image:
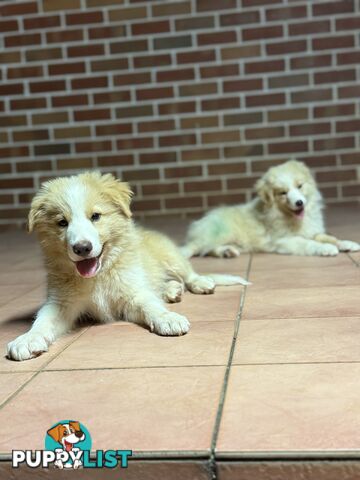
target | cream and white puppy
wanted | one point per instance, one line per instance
(285, 217)
(100, 263)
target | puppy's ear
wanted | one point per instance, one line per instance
(264, 190)
(37, 210)
(303, 169)
(55, 432)
(75, 425)
(118, 192)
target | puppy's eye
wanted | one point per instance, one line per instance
(300, 186)
(63, 223)
(95, 217)
(282, 193)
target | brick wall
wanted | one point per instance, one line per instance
(190, 101)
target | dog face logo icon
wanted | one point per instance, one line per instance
(68, 439)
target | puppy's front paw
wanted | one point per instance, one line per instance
(201, 285)
(226, 251)
(170, 323)
(26, 346)
(347, 246)
(327, 250)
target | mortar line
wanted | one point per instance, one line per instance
(226, 378)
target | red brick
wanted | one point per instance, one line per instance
(169, 43)
(283, 81)
(172, 8)
(334, 110)
(69, 100)
(226, 168)
(352, 158)
(312, 95)
(220, 103)
(72, 132)
(52, 149)
(28, 135)
(228, 199)
(194, 23)
(349, 92)
(61, 5)
(156, 126)
(9, 26)
(319, 160)
(285, 13)
(141, 205)
(95, 146)
(146, 28)
(49, 118)
(311, 61)
(334, 76)
(112, 96)
(177, 107)
(133, 175)
(11, 89)
(107, 32)
(336, 175)
(202, 186)
(38, 22)
(241, 183)
(66, 68)
(219, 71)
(84, 18)
(19, 151)
(331, 43)
(137, 111)
(220, 137)
(205, 5)
(113, 129)
(308, 27)
(63, 36)
(348, 125)
(22, 40)
(33, 166)
(330, 8)
(197, 56)
(12, 120)
(199, 122)
(11, 183)
(154, 93)
(345, 58)
(264, 66)
(183, 203)
(89, 82)
(267, 99)
(241, 18)
(21, 8)
(334, 144)
(85, 50)
(115, 160)
(243, 118)
(130, 143)
(198, 89)
(92, 114)
(264, 132)
(288, 147)
(129, 46)
(216, 37)
(25, 72)
(350, 190)
(47, 86)
(175, 75)
(244, 151)
(348, 23)
(152, 61)
(28, 103)
(178, 172)
(10, 57)
(202, 154)
(174, 140)
(163, 157)
(310, 129)
(109, 65)
(132, 78)
(281, 48)
(160, 189)
(243, 85)
(262, 32)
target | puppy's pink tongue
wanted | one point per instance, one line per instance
(87, 268)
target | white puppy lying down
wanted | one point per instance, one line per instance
(285, 217)
(99, 263)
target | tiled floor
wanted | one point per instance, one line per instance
(270, 372)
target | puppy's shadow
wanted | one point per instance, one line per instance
(24, 319)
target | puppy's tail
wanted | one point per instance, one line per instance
(227, 280)
(189, 250)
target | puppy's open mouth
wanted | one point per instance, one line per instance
(299, 213)
(90, 266)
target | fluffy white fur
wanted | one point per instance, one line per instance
(285, 217)
(100, 263)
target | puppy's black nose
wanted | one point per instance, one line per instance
(82, 248)
(79, 434)
(299, 203)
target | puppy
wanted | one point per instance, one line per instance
(67, 435)
(99, 263)
(285, 217)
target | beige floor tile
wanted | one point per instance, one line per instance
(32, 277)
(273, 261)
(305, 277)
(302, 302)
(221, 306)
(298, 340)
(289, 470)
(129, 346)
(291, 407)
(356, 257)
(11, 292)
(28, 303)
(10, 382)
(234, 266)
(143, 409)
(137, 470)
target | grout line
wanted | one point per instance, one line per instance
(352, 259)
(226, 377)
(14, 394)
